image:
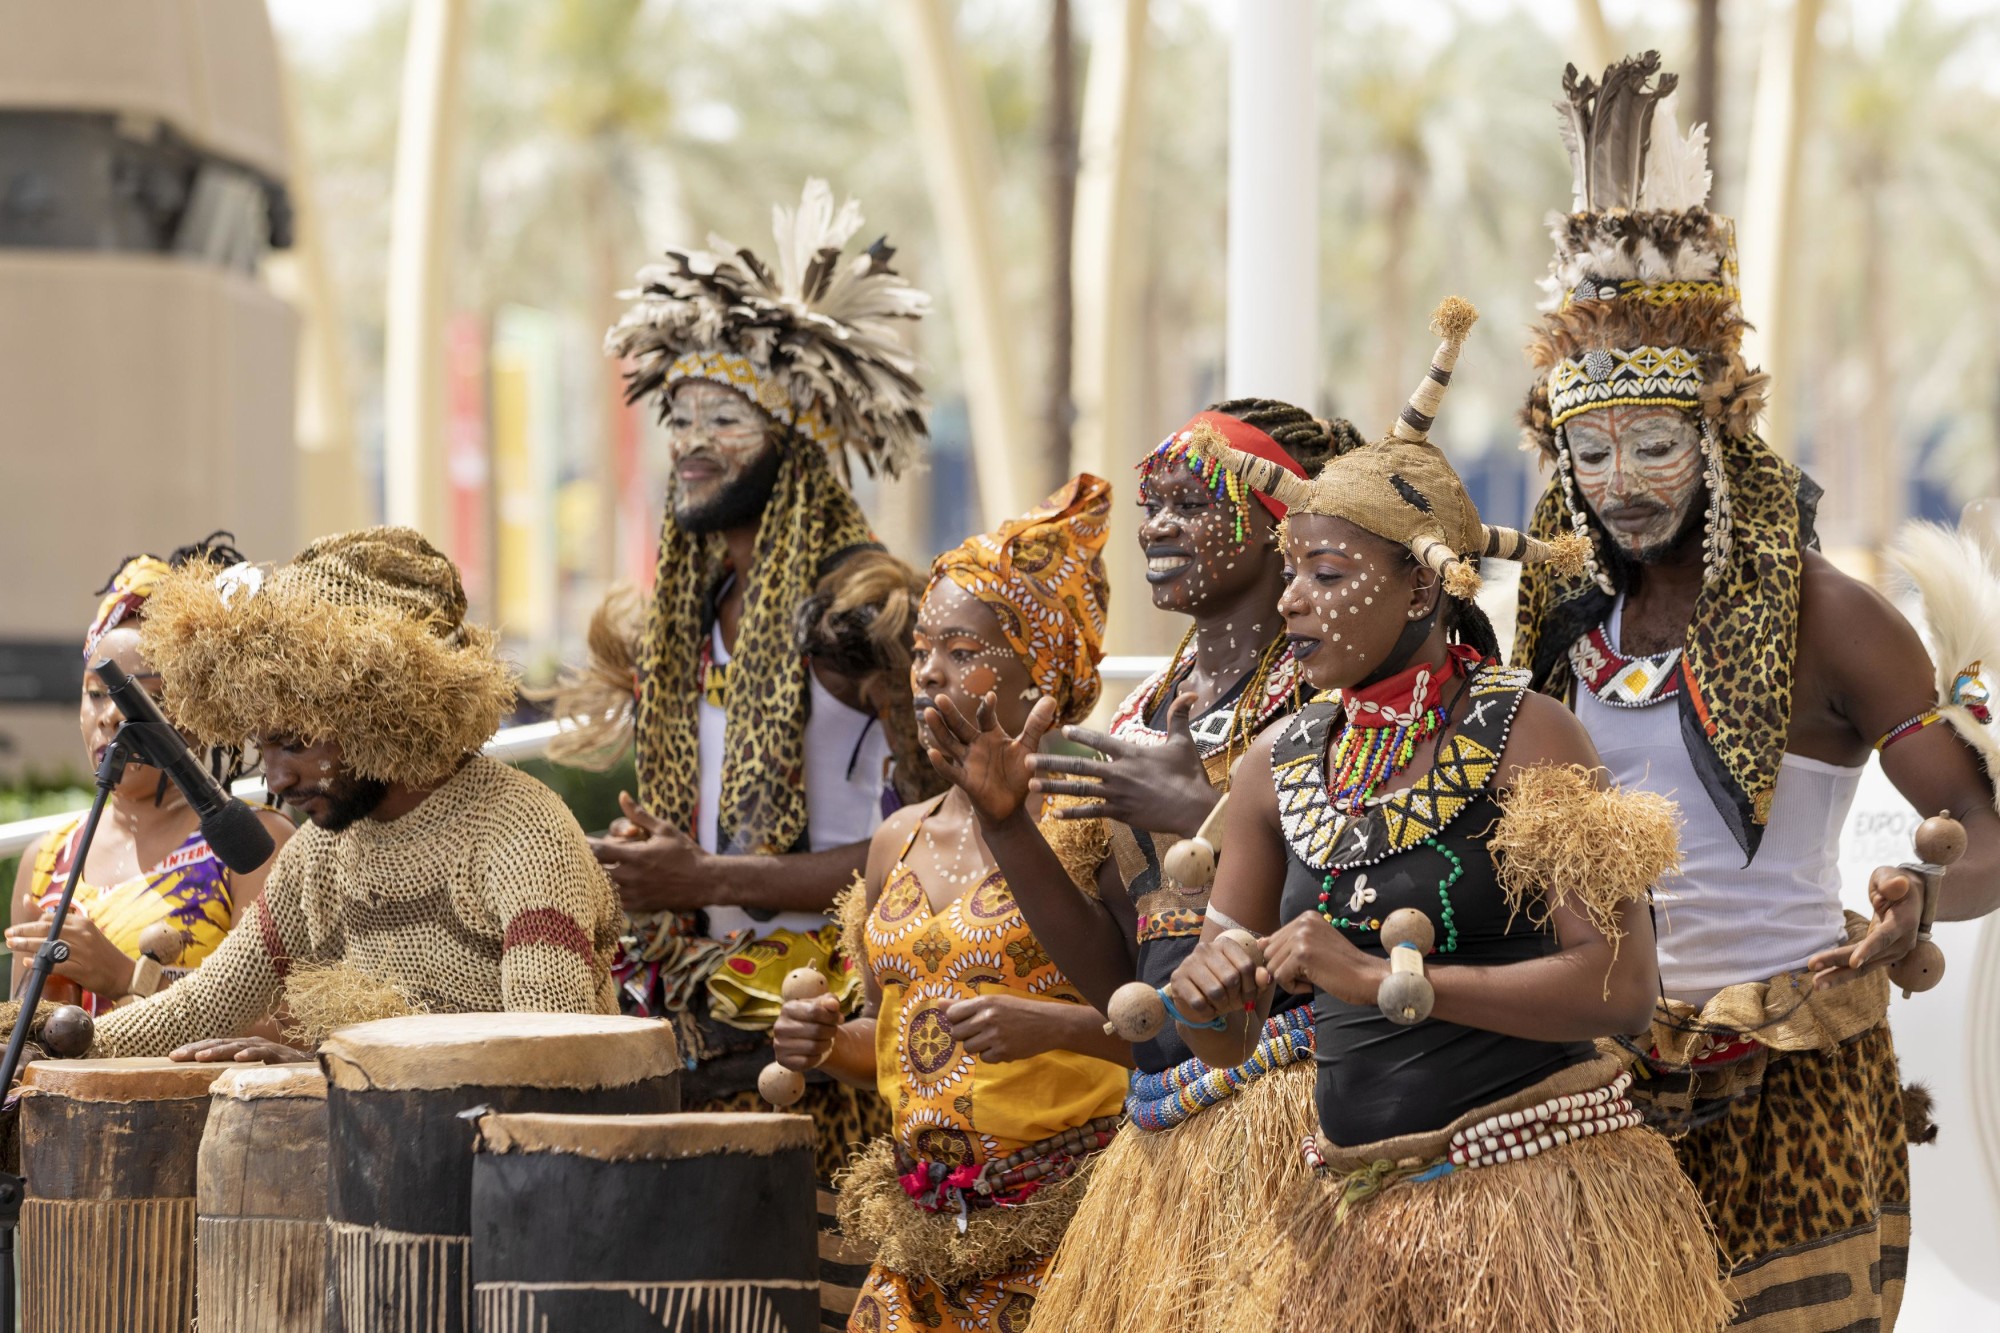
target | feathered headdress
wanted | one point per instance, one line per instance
(1401, 488)
(1642, 307)
(814, 343)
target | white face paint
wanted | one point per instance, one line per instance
(1193, 555)
(1345, 601)
(713, 435)
(1639, 469)
(959, 653)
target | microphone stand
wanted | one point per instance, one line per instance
(52, 952)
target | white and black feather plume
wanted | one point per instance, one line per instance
(825, 330)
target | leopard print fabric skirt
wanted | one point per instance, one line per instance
(1806, 1175)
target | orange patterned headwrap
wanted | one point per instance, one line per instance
(1043, 576)
(130, 588)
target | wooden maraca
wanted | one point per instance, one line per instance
(68, 1032)
(1940, 841)
(1406, 995)
(1190, 862)
(160, 947)
(778, 1085)
(1138, 1012)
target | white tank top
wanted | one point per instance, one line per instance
(1722, 922)
(847, 768)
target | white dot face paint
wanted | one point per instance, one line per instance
(1189, 535)
(1338, 632)
(959, 653)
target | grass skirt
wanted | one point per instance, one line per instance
(1170, 1217)
(1600, 1235)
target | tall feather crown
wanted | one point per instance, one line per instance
(815, 342)
(1641, 302)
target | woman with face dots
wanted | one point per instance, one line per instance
(148, 863)
(1212, 555)
(1001, 1077)
(1434, 858)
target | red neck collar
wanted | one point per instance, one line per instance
(1409, 694)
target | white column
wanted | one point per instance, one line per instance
(1593, 39)
(1110, 261)
(954, 133)
(328, 483)
(421, 219)
(1273, 267)
(1770, 198)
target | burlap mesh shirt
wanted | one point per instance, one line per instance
(485, 897)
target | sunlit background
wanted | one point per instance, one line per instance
(297, 268)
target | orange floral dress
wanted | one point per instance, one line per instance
(956, 1108)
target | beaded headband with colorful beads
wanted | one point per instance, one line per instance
(1184, 448)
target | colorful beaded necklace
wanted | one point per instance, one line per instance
(1385, 723)
(1380, 740)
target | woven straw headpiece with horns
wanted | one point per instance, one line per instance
(1402, 489)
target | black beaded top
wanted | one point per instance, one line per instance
(1423, 847)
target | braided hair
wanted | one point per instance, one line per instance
(217, 548)
(1314, 442)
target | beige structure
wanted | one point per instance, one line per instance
(148, 395)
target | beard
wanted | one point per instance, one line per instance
(739, 501)
(348, 801)
(1623, 558)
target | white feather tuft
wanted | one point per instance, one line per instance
(1954, 575)
(1677, 173)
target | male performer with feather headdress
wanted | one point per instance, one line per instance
(764, 765)
(1714, 655)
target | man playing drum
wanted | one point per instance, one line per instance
(429, 878)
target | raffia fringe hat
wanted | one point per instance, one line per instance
(362, 639)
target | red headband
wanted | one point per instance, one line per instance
(1250, 440)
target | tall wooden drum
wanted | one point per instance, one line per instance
(260, 1200)
(399, 1184)
(634, 1224)
(107, 1230)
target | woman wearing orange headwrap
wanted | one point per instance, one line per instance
(148, 862)
(1001, 1076)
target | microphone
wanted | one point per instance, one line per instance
(239, 840)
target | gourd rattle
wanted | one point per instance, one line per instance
(1940, 841)
(778, 1085)
(1138, 1011)
(1406, 995)
(1190, 862)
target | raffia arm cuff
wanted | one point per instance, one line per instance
(1082, 845)
(1564, 842)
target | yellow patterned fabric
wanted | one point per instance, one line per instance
(1625, 377)
(955, 1108)
(892, 1303)
(189, 888)
(1043, 576)
(737, 372)
(746, 988)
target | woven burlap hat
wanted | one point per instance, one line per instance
(361, 639)
(1402, 488)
